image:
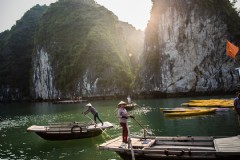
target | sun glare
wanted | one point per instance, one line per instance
(135, 12)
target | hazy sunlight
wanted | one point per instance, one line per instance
(135, 12)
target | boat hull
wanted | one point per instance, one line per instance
(128, 156)
(130, 106)
(69, 136)
(192, 112)
(182, 147)
(69, 130)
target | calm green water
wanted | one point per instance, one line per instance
(17, 143)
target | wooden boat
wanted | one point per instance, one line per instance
(192, 112)
(184, 147)
(69, 101)
(130, 106)
(69, 130)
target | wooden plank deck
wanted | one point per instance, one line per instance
(185, 138)
(179, 147)
(114, 144)
(230, 144)
(69, 127)
(193, 143)
(37, 128)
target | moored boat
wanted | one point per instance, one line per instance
(69, 130)
(69, 101)
(192, 112)
(179, 147)
(220, 103)
(170, 110)
(184, 109)
(130, 106)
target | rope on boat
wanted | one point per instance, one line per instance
(72, 129)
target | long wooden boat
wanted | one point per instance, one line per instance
(192, 112)
(69, 130)
(180, 147)
(69, 101)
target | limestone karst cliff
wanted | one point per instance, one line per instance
(184, 50)
(16, 46)
(81, 49)
(69, 49)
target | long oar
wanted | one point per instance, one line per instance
(104, 131)
(130, 142)
(142, 127)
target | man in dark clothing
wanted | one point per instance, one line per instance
(237, 106)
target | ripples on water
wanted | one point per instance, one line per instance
(13, 129)
(17, 143)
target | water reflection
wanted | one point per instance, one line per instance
(17, 143)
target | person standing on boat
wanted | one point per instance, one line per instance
(129, 99)
(123, 116)
(94, 112)
(237, 106)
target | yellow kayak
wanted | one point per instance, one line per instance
(170, 110)
(224, 103)
(192, 112)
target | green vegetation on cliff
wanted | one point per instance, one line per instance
(84, 38)
(86, 44)
(16, 48)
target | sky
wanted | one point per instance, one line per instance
(135, 12)
(13, 10)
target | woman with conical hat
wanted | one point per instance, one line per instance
(94, 112)
(123, 116)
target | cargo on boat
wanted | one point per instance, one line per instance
(179, 147)
(69, 130)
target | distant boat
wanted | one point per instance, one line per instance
(69, 130)
(177, 147)
(69, 101)
(131, 106)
